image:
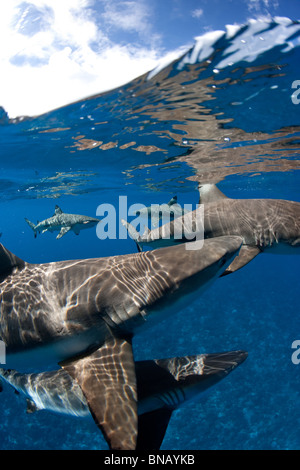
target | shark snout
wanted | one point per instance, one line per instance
(92, 222)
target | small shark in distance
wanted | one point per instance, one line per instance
(171, 210)
(83, 315)
(163, 385)
(63, 223)
(266, 225)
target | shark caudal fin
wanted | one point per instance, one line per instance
(31, 225)
(165, 384)
(133, 233)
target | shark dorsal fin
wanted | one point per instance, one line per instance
(9, 261)
(210, 193)
(172, 201)
(58, 210)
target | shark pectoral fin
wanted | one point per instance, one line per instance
(107, 379)
(247, 253)
(63, 231)
(152, 428)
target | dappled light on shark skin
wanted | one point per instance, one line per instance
(83, 314)
(162, 385)
(266, 225)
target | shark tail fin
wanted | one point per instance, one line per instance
(31, 225)
(133, 233)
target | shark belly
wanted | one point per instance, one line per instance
(178, 302)
(61, 349)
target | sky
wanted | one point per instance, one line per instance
(54, 52)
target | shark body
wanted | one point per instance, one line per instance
(83, 314)
(157, 212)
(63, 223)
(163, 385)
(266, 225)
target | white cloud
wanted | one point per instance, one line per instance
(132, 16)
(262, 6)
(197, 13)
(127, 15)
(55, 53)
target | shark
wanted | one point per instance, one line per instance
(157, 212)
(83, 315)
(163, 385)
(265, 225)
(63, 223)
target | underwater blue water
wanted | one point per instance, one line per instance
(197, 120)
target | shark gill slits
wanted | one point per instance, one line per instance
(173, 398)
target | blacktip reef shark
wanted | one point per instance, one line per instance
(63, 223)
(83, 315)
(163, 385)
(266, 225)
(157, 212)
